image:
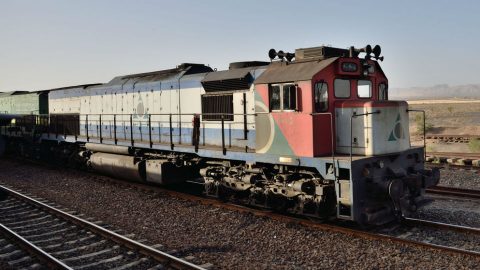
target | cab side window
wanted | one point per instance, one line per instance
(275, 98)
(364, 89)
(289, 97)
(342, 88)
(383, 91)
(320, 96)
(283, 97)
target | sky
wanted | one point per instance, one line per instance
(55, 43)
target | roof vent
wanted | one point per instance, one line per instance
(194, 68)
(237, 65)
(319, 53)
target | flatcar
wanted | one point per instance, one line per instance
(309, 133)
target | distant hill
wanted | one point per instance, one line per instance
(441, 91)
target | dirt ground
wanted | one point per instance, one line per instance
(446, 117)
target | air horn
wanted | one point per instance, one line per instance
(272, 53)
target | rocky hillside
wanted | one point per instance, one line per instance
(442, 91)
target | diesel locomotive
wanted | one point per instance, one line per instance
(309, 133)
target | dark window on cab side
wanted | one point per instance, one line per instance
(383, 91)
(214, 106)
(283, 97)
(289, 97)
(320, 96)
(342, 88)
(275, 98)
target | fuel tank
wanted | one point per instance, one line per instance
(125, 167)
(165, 173)
(105, 148)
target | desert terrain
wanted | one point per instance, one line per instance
(459, 118)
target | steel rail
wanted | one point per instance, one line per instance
(456, 192)
(289, 219)
(452, 166)
(49, 260)
(441, 225)
(455, 154)
(162, 257)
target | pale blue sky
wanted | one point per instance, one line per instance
(54, 43)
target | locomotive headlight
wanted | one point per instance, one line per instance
(349, 67)
(13, 121)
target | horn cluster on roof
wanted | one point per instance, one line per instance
(281, 55)
(377, 50)
(324, 52)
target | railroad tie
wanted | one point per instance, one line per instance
(90, 255)
(99, 263)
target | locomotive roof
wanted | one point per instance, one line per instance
(228, 74)
(11, 93)
(289, 72)
(186, 68)
(84, 86)
(232, 79)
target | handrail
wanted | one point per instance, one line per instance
(100, 125)
(153, 114)
(171, 133)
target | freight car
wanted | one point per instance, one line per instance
(311, 133)
(23, 102)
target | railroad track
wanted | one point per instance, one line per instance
(21, 254)
(441, 225)
(451, 237)
(313, 224)
(455, 155)
(455, 192)
(54, 239)
(454, 160)
(451, 138)
(334, 228)
(445, 165)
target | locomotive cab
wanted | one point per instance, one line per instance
(309, 99)
(333, 106)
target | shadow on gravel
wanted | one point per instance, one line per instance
(3, 195)
(207, 249)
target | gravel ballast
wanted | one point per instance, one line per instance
(465, 212)
(227, 239)
(460, 178)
